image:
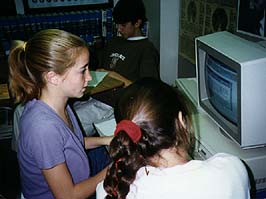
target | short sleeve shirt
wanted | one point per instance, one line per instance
(46, 141)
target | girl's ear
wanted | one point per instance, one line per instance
(51, 77)
(181, 119)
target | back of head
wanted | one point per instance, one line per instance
(48, 50)
(154, 107)
(129, 11)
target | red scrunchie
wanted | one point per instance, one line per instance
(131, 128)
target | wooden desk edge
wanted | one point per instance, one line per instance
(107, 84)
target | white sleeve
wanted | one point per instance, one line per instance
(100, 192)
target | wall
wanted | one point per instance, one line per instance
(163, 16)
(153, 15)
(169, 29)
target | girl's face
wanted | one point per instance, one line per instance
(76, 78)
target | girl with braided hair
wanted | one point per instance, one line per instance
(152, 147)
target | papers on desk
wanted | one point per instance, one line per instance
(97, 77)
(106, 128)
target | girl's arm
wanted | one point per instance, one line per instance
(61, 184)
(93, 142)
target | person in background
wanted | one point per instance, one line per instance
(130, 56)
(45, 72)
(152, 147)
(260, 7)
(252, 16)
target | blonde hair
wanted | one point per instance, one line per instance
(48, 50)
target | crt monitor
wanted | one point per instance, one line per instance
(231, 75)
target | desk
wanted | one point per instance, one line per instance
(107, 84)
(106, 91)
(5, 99)
(6, 113)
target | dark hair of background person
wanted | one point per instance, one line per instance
(154, 106)
(129, 11)
(48, 50)
(250, 14)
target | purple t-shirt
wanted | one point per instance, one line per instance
(46, 141)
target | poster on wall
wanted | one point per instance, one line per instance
(220, 16)
(191, 26)
(200, 17)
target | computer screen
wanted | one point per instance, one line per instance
(221, 85)
(231, 86)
